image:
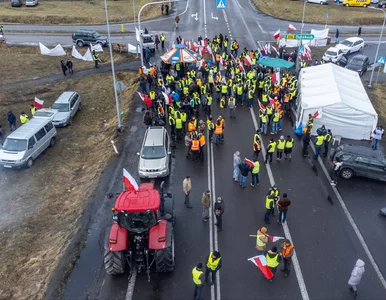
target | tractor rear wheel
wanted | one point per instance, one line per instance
(115, 262)
(164, 259)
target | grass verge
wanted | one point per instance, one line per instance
(316, 13)
(76, 12)
(49, 198)
(377, 97)
(26, 63)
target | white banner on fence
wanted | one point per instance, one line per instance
(57, 51)
(96, 48)
(132, 48)
(86, 57)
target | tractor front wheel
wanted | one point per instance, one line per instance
(164, 259)
(115, 262)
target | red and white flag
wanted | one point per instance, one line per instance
(307, 52)
(261, 262)
(38, 103)
(129, 181)
(241, 68)
(249, 162)
(204, 43)
(317, 114)
(142, 96)
(275, 238)
(276, 35)
(275, 49)
(234, 59)
(276, 77)
(291, 27)
(261, 106)
(221, 61)
(248, 61)
(168, 98)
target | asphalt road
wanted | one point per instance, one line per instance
(326, 245)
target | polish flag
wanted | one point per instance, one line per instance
(291, 27)
(129, 181)
(261, 106)
(249, 162)
(234, 59)
(241, 68)
(275, 49)
(276, 35)
(221, 61)
(275, 238)
(276, 77)
(38, 103)
(204, 43)
(261, 262)
(214, 81)
(142, 96)
(317, 114)
(269, 48)
(168, 98)
(209, 49)
(248, 61)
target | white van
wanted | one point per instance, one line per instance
(27, 142)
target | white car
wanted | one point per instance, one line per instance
(333, 54)
(31, 2)
(351, 45)
(321, 2)
(46, 113)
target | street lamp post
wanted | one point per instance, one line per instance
(134, 12)
(139, 21)
(113, 68)
(379, 44)
(301, 37)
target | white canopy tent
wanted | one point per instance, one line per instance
(338, 95)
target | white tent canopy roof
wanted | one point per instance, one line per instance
(329, 84)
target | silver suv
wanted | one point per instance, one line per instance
(155, 153)
(67, 106)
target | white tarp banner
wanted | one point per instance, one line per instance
(132, 49)
(319, 43)
(293, 43)
(86, 57)
(57, 51)
(96, 48)
(320, 34)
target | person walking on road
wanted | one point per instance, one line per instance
(327, 142)
(338, 162)
(255, 173)
(318, 144)
(273, 260)
(287, 251)
(283, 204)
(377, 136)
(280, 148)
(360, 31)
(256, 149)
(187, 187)
(214, 263)
(306, 142)
(270, 150)
(274, 191)
(205, 201)
(337, 36)
(162, 38)
(269, 206)
(261, 240)
(356, 276)
(198, 280)
(219, 209)
(177, 20)
(289, 144)
(236, 164)
(244, 170)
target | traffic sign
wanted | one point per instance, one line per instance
(327, 15)
(120, 86)
(301, 50)
(381, 60)
(300, 36)
(221, 4)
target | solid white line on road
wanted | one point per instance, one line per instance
(238, 3)
(298, 271)
(215, 231)
(186, 8)
(352, 223)
(261, 27)
(130, 287)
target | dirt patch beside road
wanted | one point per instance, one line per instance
(40, 206)
(377, 96)
(77, 12)
(316, 13)
(26, 63)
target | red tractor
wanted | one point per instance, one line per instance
(142, 233)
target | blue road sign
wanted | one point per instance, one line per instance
(301, 50)
(381, 60)
(326, 15)
(221, 4)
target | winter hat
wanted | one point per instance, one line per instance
(282, 137)
(263, 229)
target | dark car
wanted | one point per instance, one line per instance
(361, 161)
(358, 63)
(16, 3)
(382, 4)
(84, 37)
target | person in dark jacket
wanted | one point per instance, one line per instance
(69, 65)
(219, 209)
(283, 204)
(147, 119)
(11, 121)
(306, 142)
(273, 260)
(337, 36)
(244, 170)
(64, 67)
(213, 264)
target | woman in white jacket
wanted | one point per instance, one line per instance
(356, 275)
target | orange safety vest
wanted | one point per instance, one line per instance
(218, 129)
(195, 145)
(286, 98)
(140, 71)
(223, 123)
(258, 146)
(191, 126)
(202, 140)
(287, 251)
(217, 57)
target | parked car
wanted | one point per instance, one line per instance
(363, 3)
(332, 54)
(83, 37)
(31, 2)
(155, 153)
(382, 4)
(351, 45)
(382, 211)
(321, 2)
(46, 113)
(67, 105)
(16, 3)
(27, 142)
(361, 161)
(374, 1)
(359, 63)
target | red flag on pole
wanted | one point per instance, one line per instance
(275, 238)
(129, 181)
(262, 107)
(38, 103)
(249, 162)
(261, 262)
(142, 96)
